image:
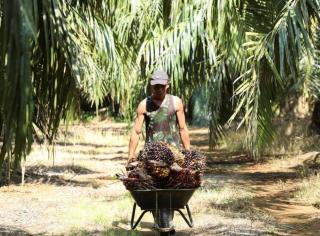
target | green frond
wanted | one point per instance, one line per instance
(248, 55)
(273, 60)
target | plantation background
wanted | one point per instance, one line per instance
(73, 72)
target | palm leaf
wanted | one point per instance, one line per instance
(273, 60)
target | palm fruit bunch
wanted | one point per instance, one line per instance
(157, 158)
(185, 178)
(178, 156)
(161, 165)
(158, 169)
(157, 151)
(136, 177)
(136, 184)
(194, 160)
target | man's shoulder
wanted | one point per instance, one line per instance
(176, 102)
(175, 98)
(142, 107)
(143, 101)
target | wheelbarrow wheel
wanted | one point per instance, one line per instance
(164, 233)
(172, 232)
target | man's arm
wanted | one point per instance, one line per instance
(134, 139)
(184, 134)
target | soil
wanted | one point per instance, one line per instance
(36, 208)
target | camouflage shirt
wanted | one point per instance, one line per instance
(161, 122)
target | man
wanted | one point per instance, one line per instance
(164, 116)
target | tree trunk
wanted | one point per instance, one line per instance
(315, 120)
(166, 9)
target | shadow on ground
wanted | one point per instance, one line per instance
(54, 175)
(66, 169)
(94, 145)
(218, 229)
(222, 229)
(60, 181)
(310, 228)
(310, 166)
(116, 158)
(12, 231)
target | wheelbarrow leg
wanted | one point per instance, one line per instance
(134, 225)
(188, 221)
(189, 214)
(132, 214)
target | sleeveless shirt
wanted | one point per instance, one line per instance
(161, 121)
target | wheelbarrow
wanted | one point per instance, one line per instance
(162, 203)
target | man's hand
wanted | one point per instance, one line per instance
(131, 158)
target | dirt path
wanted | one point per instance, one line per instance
(79, 196)
(274, 187)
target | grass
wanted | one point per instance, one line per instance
(229, 200)
(292, 145)
(105, 232)
(77, 145)
(227, 197)
(282, 163)
(103, 136)
(233, 140)
(94, 212)
(292, 138)
(100, 216)
(234, 204)
(309, 191)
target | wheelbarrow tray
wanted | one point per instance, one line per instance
(162, 198)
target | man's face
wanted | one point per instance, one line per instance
(159, 89)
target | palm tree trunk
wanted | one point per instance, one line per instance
(166, 13)
(316, 117)
(23, 170)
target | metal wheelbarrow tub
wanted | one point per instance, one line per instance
(157, 199)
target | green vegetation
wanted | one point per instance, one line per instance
(309, 191)
(229, 198)
(87, 212)
(250, 59)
